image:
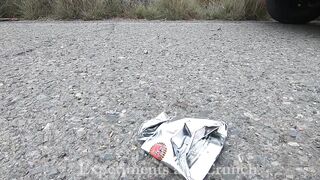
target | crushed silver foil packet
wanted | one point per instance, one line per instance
(190, 146)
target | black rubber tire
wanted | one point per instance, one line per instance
(289, 12)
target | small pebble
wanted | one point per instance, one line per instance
(293, 132)
(289, 176)
(309, 169)
(78, 96)
(286, 103)
(81, 132)
(53, 172)
(294, 144)
(111, 134)
(47, 127)
(123, 112)
(105, 157)
(41, 97)
(275, 163)
(299, 169)
(133, 147)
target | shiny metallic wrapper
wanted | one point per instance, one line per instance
(190, 146)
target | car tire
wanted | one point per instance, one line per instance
(292, 11)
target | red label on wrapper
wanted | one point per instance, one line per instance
(158, 151)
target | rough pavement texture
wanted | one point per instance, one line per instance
(73, 95)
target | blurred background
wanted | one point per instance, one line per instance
(137, 9)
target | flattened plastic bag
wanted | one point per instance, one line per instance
(189, 145)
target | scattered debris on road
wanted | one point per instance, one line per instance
(190, 146)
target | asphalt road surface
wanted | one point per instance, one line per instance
(74, 94)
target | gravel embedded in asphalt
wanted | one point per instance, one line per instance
(74, 94)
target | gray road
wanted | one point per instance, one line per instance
(73, 95)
